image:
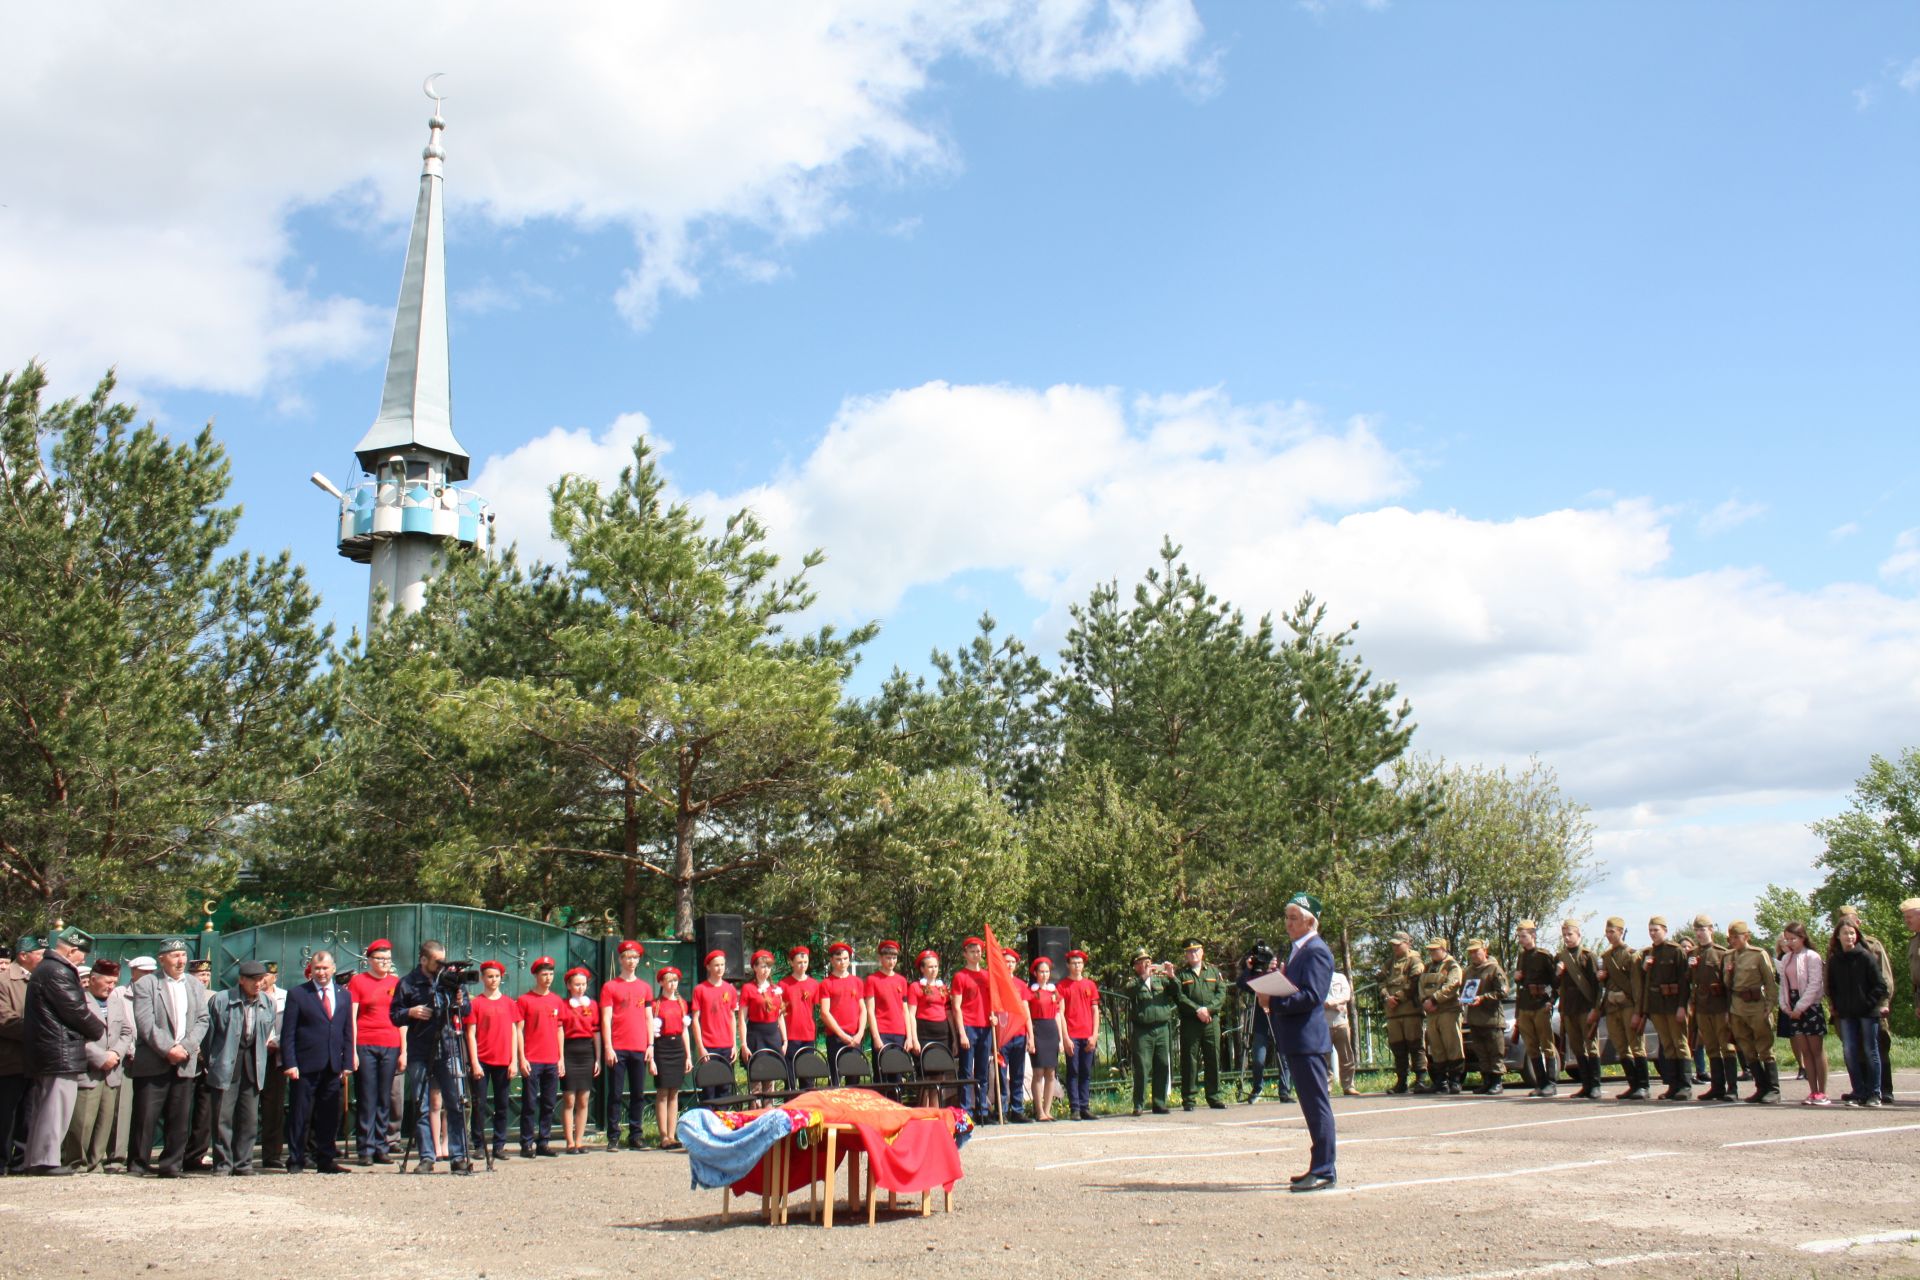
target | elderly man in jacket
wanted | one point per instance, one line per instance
(98, 1106)
(59, 1024)
(239, 1027)
(16, 1085)
(170, 1023)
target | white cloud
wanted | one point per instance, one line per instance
(1910, 76)
(1841, 532)
(516, 483)
(1903, 565)
(674, 122)
(1730, 514)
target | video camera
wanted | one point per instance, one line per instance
(455, 974)
(1260, 959)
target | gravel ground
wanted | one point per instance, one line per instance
(1462, 1188)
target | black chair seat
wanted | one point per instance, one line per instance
(850, 1064)
(809, 1067)
(937, 1057)
(894, 1061)
(767, 1067)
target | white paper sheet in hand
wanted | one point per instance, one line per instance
(1271, 984)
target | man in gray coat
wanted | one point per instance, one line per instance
(169, 1022)
(107, 1058)
(239, 1027)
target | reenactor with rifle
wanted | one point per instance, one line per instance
(1406, 1023)
(1535, 977)
(1578, 976)
(1620, 977)
(1440, 999)
(1664, 992)
(1486, 1022)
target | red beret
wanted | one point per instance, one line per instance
(1037, 962)
(840, 948)
(1077, 955)
(711, 956)
(379, 944)
(662, 975)
(799, 951)
(1010, 954)
(580, 969)
(926, 955)
(889, 947)
(975, 942)
(760, 955)
(492, 966)
(544, 962)
(632, 947)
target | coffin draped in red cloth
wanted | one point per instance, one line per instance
(912, 1148)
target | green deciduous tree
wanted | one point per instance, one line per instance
(154, 690)
(1872, 860)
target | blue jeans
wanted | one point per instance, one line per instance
(976, 1062)
(630, 1067)
(1860, 1042)
(1259, 1053)
(373, 1094)
(452, 1084)
(492, 1101)
(1015, 1074)
(537, 1093)
(1079, 1075)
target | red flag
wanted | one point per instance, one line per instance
(1004, 994)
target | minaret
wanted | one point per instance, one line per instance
(401, 514)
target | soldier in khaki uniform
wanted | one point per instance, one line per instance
(1577, 975)
(1440, 1000)
(1620, 977)
(1664, 992)
(1486, 1022)
(1406, 1025)
(1534, 980)
(1754, 985)
(1713, 1013)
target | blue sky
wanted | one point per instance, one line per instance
(1567, 348)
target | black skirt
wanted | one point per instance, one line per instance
(579, 1057)
(932, 1032)
(669, 1062)
(1046, 1045)
(766, 1035)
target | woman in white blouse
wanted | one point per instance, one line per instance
(1802, 1016)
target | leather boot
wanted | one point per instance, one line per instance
(1664, 1065)
(1637, 1078)
(1729, 1079)
(1548, 1087)
(1771, 1071)
(1427, 1080)
(1399, 1071)
(1494, 1082)
(1717, 1092)
(1682, 1079)
(1590, 1073)
(1455, 1072)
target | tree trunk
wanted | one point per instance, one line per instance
(630, 882)
(683, 876)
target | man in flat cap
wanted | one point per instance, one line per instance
(1535, 980)
(1440, 984)
(90, 1137)
(1754, 985)
(1300, 1025)
(170, 1024)
(16, 1084)
(59, 1025)
(1202, 995)
(1151, 1000)
(1665, 989)
(239, 1025)
(1406, 1022)
(1620, 979)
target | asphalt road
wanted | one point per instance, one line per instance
(1457, 1187)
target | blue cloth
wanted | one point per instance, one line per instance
(1310, 1085)
(719, 1156)
(1300, 1020)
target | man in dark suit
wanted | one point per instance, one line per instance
(1300, 1027)
(316, 1046)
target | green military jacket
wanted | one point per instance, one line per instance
(1620, 974)
(1485, 1009)
(1579, 978)
(1151, 999)
(1440, 983)
(1708, 982)
(1400, 982)
(1203, 990)
(1664, 985)
(1534, 979)
(1752, 980)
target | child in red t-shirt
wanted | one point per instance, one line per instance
(580, 1064)
(493, 1054)
(670, 1014)
(716, 1007)
(1081, 995)
(1046, 1014)
(763, 1012)
(540, 1040)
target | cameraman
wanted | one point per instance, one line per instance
(1262, 1045)
(428, 1005)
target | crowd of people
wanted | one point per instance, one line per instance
(165, 1075)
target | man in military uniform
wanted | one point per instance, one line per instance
(1406, 1026)
(1664, 992)
(1440, 999)
(1713, 1013)
(1151, 999)
(1754, 987)
(1620, 982)
(1535, 978)
(1878, 950)
(1202, 994)
(1577, 982)
(1486, 1023)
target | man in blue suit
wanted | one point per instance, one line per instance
(316, 1045)
(1300, 1028)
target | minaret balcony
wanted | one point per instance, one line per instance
(373, 510)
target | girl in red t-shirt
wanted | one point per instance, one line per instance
(669, 1054)
(580, 1029)
(715, 1008)
(763, 1012)
(930, 999)
(1047, 1015)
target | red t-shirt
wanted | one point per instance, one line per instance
(762, 1006)
(632, 1029)
(672, 1012)
(842, 998)
(802, 995)
(580, 1021)
(889, 995)
(541, 1014)
(373, 1009)
(493, 1024)
(714, 1006)
(1082, 998)
(1042, 1003)
(976, 995)
(929, 999)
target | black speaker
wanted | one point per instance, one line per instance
(723, 934)
(1045, 940)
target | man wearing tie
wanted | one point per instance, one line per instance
(316, 1044)
(1300, 1027)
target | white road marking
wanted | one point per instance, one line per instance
(1497, 1175)
(1841, 1246)
(1202, 1155)
(1353, 1113)
(1821, 1137)
(1045, 1132)
(1534, 1124)
(1574, 1264)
